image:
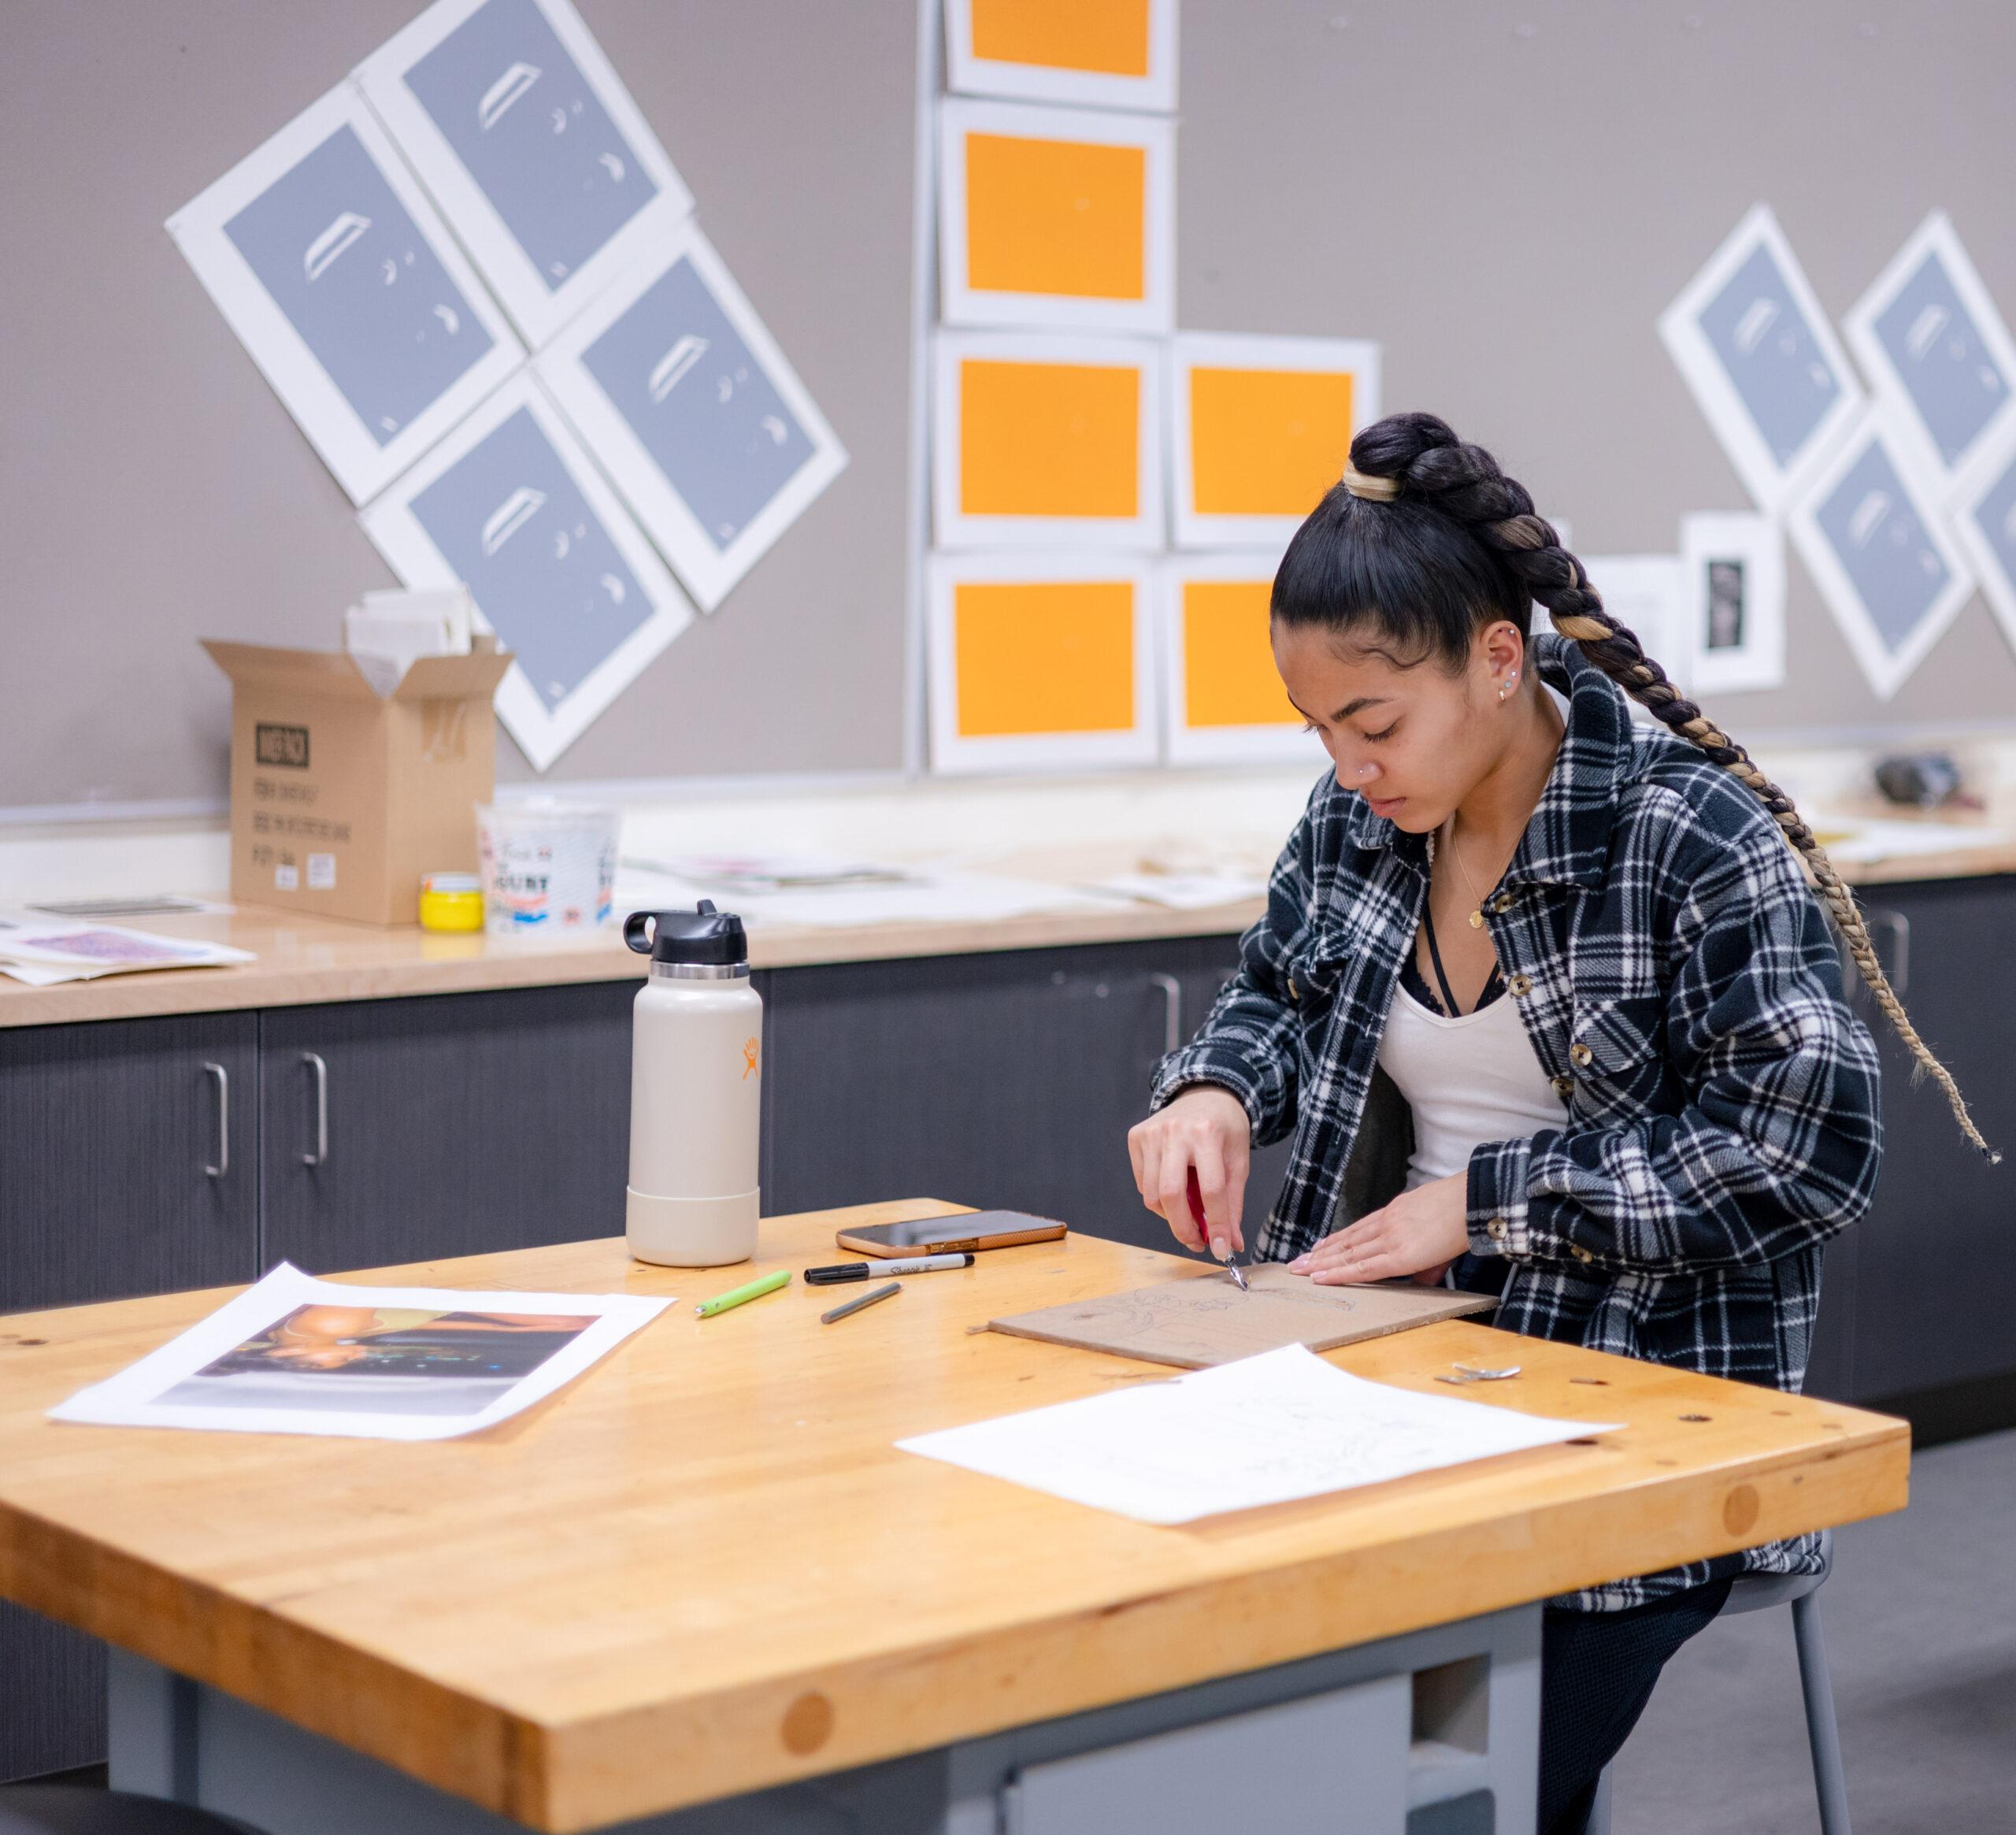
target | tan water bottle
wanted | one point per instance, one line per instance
(696, 1091)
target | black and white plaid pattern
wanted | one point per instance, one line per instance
(1679, 983)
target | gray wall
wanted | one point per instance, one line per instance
(1508, 196)
(1505, 196)
(155, 491)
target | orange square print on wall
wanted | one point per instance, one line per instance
(1266, 441)
(1040, 660)
(1264, 426)
(1044, 656)
(1049, 439)
(1226, 701)
(1228, 674)
(1108, 36)
(1061, 217)
(1055, 217)
(1040, 441)
(1097, 53)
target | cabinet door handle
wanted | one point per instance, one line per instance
(1172, 1010)
(313, 1060)
(217, 1168)
(1900, 927)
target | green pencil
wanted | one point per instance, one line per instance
(749, 1290)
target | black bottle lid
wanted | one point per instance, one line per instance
(705, 936)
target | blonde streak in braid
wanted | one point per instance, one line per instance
(1840, 901)
(1590, 625)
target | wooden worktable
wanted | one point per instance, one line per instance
(704, 1568)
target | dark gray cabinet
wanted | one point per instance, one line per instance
(1004, 1081)
(129, 1165)
(129, 1158)
(1934, 1276)
(410, 1129)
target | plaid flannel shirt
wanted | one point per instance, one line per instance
(1680, 984)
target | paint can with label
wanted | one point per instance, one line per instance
(696, 1091)
(548, 866)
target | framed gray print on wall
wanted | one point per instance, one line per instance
(541, 162)
(1880, 554)
(327, 260)
(681, 392)
(1933, 343)
(510, 504)
(1984, 510)
(1764, 365)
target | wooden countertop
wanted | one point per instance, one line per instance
(305, 960)
(704, 1568)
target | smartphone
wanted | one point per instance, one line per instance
(976, 1229)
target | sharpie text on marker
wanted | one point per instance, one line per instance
(841, 1271)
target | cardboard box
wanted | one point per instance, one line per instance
(341, 797)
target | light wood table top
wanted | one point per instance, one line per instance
(704, 1568)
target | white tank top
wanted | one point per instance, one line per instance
(1468, 1079)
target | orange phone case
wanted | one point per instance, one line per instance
(1025, 1229)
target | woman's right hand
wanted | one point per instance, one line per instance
(1204, 1131)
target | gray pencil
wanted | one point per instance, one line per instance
(860, 1301)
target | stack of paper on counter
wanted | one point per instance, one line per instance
(1266, 1429)
(1183, 891)
(800, 890)
(1866, 841)
(42, 953)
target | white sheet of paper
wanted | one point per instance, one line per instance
(763, 873)
(1266, 1430)
(1183, 891)
(1876, 840)
(45, 977)
(1646, 594)
(930, 897)
(177, 1387)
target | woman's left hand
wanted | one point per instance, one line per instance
(1420, 1233)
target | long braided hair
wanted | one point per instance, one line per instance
(1355, 558)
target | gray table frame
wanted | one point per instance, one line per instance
(1436, 1733)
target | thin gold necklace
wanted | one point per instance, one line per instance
(1455, 853)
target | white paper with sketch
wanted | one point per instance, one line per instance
(43, 952)
(294, 1355)
(927, 894)
(1266, 1430)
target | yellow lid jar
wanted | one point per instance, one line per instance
(450, 901)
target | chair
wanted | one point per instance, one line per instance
(74, 1809)
(1760, 1592)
